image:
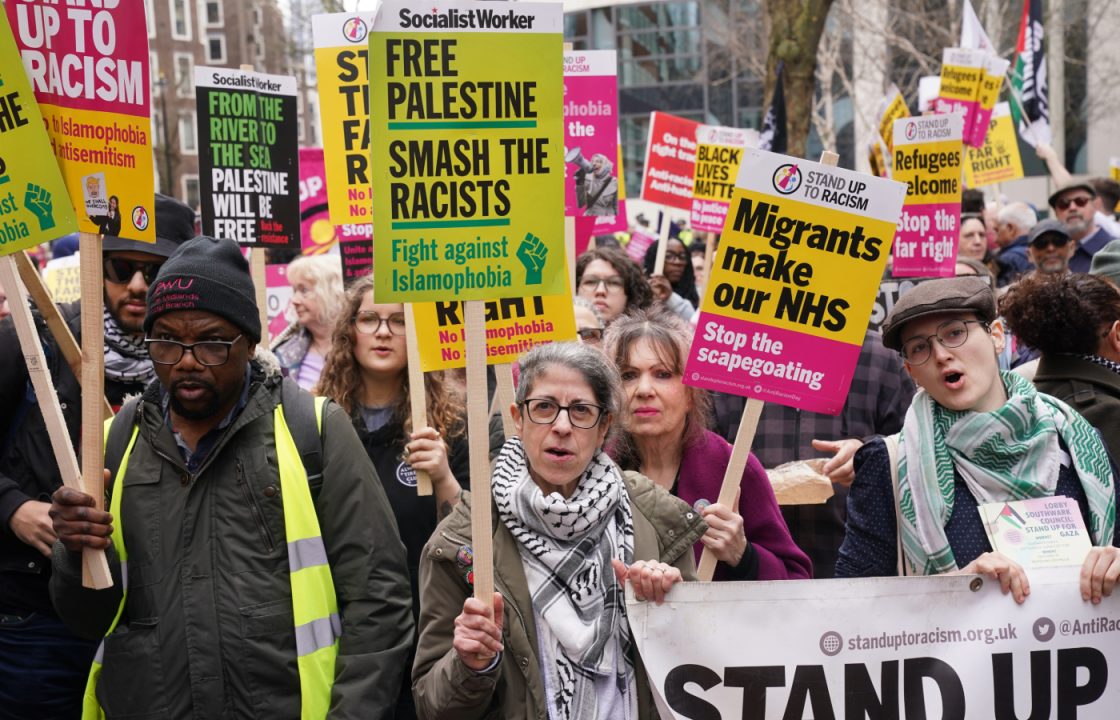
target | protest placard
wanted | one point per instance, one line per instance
(248, 156)
(1038, 532)
(891, 108)
(355, 246)
(1114, 168)
(961, 72)
(62, 277)
(592, 181)
(786, 306)
(719, 150)
(924, 647)
(278, 296)
(88, 68)
(341, 60)
(469, 204)
(34, 206)
(317, 233)
(670, 157)
(927, 157)
(991, 80)
(513, 327)
(998, 160)
(890, 290)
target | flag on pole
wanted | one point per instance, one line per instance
(1029, 95)
(972, 32)
(773, 134)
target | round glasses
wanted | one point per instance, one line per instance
(544, 412)
(368, 323)
(951, 334)
(590, 283)
(209, 352)
(590, 335)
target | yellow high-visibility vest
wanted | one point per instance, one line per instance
(314, 605)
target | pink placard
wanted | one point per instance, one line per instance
(591, 173)
(927, 240)
(278, 294)
(356, 248)
(317, 234)
(771, 364)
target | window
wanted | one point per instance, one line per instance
(150, 18)
(188, 138)
(258, 17)
(180, 19)
(216, 48)
(184, 74)
(192, 193)
(153, 66)
(215, 13)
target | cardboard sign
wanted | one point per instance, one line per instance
(63, 278)
(355, 245)
(342, 67)
(1038, 532)
(591, 175)
(991, 80)
(670, 157)
(88, 68)
(961, 72)
(998, 160)
(248, 156)
(787, 302)
(317, 234)
(469, 194)
(891, 108)
(719, 151)
(927, 157)
(513, 327)
(890, 290)
(34, 207)
(279, 295)
(922, 647)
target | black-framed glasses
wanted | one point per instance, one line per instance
(590, 335)
(208, 352)
(590, 283)
(1050, 240)
(1064, 203)
(951, 334)
(543, 411)
(671, 256)
(368, 323)
(122, 270)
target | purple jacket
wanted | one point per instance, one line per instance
(702, 467)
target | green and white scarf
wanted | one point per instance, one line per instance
(1011, 453)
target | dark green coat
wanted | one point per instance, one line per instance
(1090, 389)
(207, 628)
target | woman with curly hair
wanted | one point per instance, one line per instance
(665, 437)
(366, 373)
(1074, 321)
(612, 281)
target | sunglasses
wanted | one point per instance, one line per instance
(121, 271)
(1079, 201)
(1047, 241)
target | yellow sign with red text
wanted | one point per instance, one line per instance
(998, 160)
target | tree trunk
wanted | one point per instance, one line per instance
(795, 31)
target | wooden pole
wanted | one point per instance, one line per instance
(416, 395)
(570, 250)
(478, 427)
(504, 396)
(94, 574)
(257, 270)
(709, 256)
(741, 450)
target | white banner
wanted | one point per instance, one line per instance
(949, 647)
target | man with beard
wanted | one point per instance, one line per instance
(42, 664)
(265, 576)
(1050, 248)
(1073, 205)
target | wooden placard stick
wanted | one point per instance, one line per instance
(94, 574)
(478, 434)
(40, 374)
(709, 255)
(257, 271)
(570, 250)
(741, 450)
(416, 396)
(67, 345)
(504, 395)
(662, 243)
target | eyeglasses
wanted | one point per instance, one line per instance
(209, 352)
(951, 334)
(590, 283)
(1049, 240)
(545, 412)
(121, 270)
(590, 335)
(369, 323)
(1064, 203)
(675, 257)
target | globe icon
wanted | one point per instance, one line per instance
(831, 643)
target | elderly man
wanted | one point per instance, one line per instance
(1050, 247)
(265, 577)
(1073, 205)
(1013, 223)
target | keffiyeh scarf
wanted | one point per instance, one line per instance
(1011, 453)
(126, 358)
(566, 547)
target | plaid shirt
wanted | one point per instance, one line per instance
(880, 394)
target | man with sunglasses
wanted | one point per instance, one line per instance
(1073, 205)
(1050, 247)
(265, 576)
(29, 474)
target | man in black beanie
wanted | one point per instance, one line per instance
(29, 474)
(266, 577)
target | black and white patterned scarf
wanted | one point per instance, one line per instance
(126, 358)
(566, 548)
(1103, 362)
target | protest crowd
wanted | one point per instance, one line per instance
(289, 514)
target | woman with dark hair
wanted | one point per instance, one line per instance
(664, 436)
(1074, 321)
(677, 286)
(366, 373)
(109, 223)
(612, 281)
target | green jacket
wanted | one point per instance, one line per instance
(1090, 389)
(664, 528)
(207, 629)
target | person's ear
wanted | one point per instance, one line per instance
(1111, 340)
(999, 336)
(515, 413)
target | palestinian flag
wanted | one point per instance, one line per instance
(1030, 107)
(773, 136)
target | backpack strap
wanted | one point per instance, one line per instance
(118, 434)
(303, 413)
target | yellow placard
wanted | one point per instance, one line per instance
(998, 160)
(716, 169)
(513, 327)
(1114, 169)
(342, 68)
(34, 205)
(63, 278)
(960, 82)
(931, 170)
(894, 108)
